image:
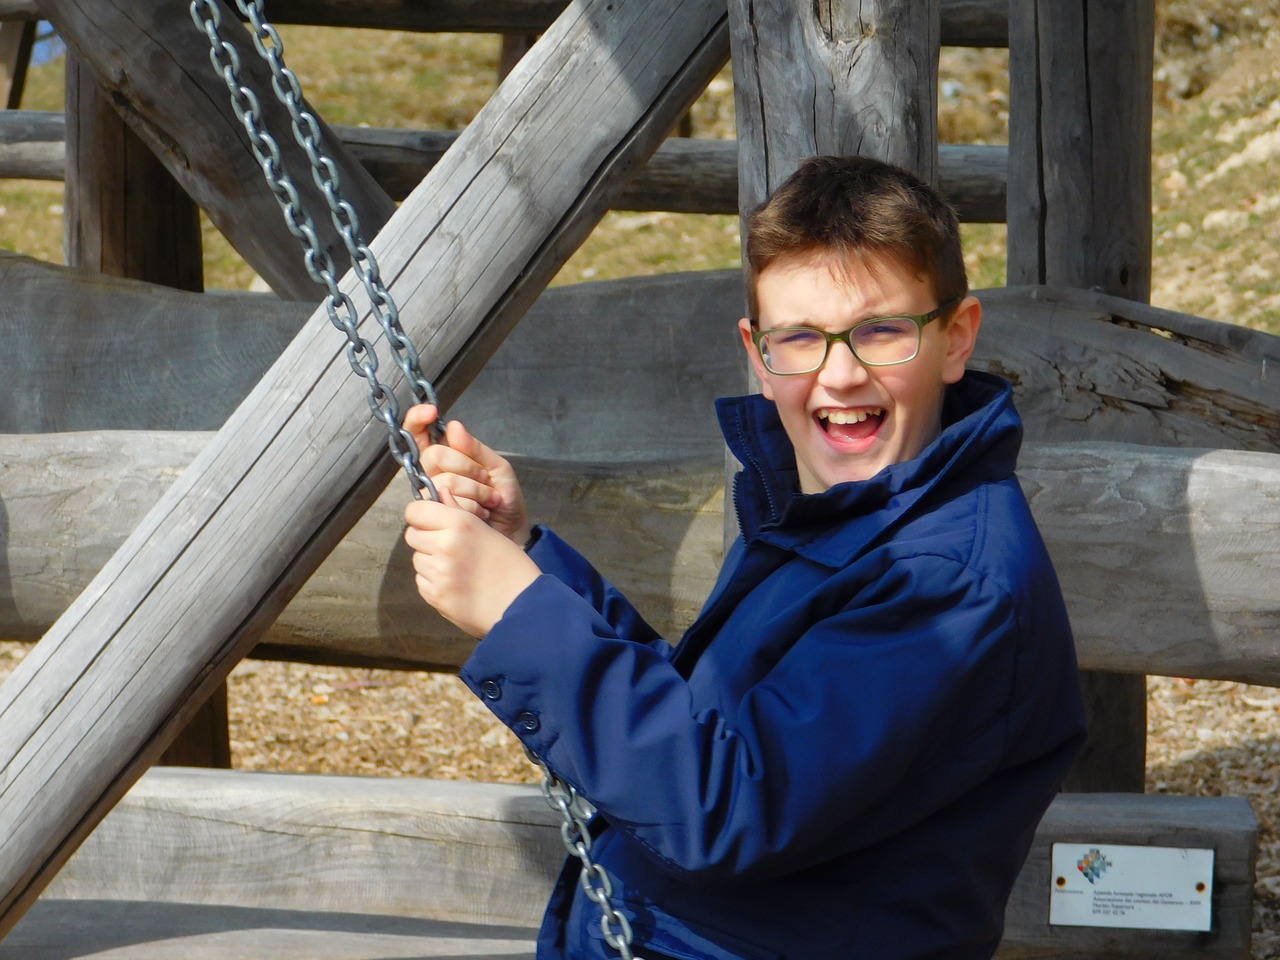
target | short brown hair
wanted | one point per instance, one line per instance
(855, 207)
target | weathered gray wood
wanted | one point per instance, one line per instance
(235, 537)
(1080, 215)
(154, 66)
(866, 73)
(1080, 143)
(33, 144)
(684, 176)
(970, 23)
(124, 215)
(260, 862)
(19, 10)
(1086, 365)
(1168, 557)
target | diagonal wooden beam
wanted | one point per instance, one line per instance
(153, 64)
(300, 460)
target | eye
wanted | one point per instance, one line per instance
(887, 328)
(795, 337)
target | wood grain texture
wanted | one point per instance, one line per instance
(229, 543)
(1168, 557)
(1080, 144)
(297, 853)
(971, 23)
(33, 144)
(1086, 368)
(153, 65)
(685, 175)
(836, 78)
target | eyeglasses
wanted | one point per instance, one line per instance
(878, 342)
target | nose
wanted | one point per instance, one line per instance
(842, 368)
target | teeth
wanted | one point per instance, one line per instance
(849, 416)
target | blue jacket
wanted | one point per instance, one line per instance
(849, 751)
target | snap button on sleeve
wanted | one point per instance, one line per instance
(491, 689)
(528, 722)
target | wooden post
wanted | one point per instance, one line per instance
(839, 78)
(126, 217)
(16, 40)
(1080, 215)
(296, 465)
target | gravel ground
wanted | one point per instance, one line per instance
(1205, 738)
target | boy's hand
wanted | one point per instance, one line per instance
(478, 479)
(465, 569)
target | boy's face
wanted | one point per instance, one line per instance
(848, 421)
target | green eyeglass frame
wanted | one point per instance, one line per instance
(846, 336)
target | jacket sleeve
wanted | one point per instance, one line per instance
(556, 558)
(872, 719)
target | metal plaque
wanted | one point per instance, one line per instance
(1147, 888)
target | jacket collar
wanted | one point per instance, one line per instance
(979, 442)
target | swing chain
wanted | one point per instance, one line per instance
(560, 796)
(574, 813)
(319, 264)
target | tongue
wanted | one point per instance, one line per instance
(854, 431)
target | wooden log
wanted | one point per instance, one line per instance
(296, 465)
(969, 23)
(153, 64)
(19, 10)
(683, 176)
(1168, 557)
(33, 144)
(1080, 215)
(203, 855)
(1086, 366)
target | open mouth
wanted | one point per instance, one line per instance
(851, 425)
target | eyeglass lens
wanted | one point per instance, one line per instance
(879, 342)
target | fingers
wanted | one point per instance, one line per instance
(418, 420)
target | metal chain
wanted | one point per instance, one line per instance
(574, 814)
(339, 306)
(560, 796)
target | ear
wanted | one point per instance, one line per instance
(961, 337)
(753, 357)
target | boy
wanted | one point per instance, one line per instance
(848, 752)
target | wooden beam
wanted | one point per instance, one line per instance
(153, 65)
(16, 41)
(1080, 215)
(867, 73)
(969, 23)
(683, 176)
(277, 856)
(19, 10)
(33, 144)
(1085, 366)
(214, 562)
(1168, 557)
(125, 216)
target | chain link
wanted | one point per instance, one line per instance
(338, 305)
(574, 814)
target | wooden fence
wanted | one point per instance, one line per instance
(1168, 553)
